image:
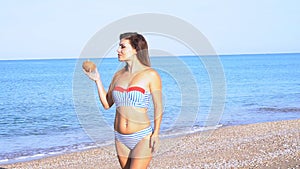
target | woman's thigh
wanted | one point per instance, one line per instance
(141, 155)
(123, 153)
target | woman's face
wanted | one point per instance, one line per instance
(125, 50)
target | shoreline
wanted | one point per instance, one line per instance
(260, 145)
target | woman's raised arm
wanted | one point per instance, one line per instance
(104, 97)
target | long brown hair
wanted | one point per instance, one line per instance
(139, 43)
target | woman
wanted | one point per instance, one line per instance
(131, 89)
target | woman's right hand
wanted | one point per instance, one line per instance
(95, 76)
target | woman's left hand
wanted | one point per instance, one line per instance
(154, 142)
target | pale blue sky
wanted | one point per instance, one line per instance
(60, 28)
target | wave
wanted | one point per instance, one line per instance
(280, 110)
(34, 154)
(185, 131)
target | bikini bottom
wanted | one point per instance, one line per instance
(131, 140)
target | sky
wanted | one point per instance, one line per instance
(35, 29)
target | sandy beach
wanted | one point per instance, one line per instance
(263, 145)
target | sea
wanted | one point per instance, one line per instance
(50, 107)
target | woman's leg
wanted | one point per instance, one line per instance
(123, 153)
(141, 155)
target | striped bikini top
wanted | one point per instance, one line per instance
(133, 96)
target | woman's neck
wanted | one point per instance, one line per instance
(134, 66)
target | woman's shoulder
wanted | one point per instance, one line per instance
(121, 71)
(118, 74)
(154, 79)
(152, 73)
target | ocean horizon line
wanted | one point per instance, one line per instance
(109, 57)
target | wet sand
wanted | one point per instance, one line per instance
(262, 145)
